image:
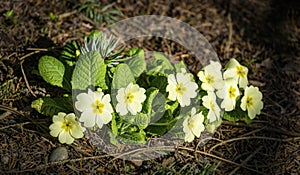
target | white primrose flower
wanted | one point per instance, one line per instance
(66, 128)
(181, 88)
(229, 94)
(193, 125)
(252, 101)
(211, 76)
(95, 108)
(237, 72)
(130, 99)
(209, 101)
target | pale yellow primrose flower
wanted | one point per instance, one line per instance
(237, 72)
(211, 76)
(209, 101)
(193, 126)
(252, 101)
(229, 94)
(130, 99)
(95, 108)
(181, 88)
(66, 128)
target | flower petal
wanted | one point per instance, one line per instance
(106, 98)
(201, 76)
(172, 93)
(55, 129)
(172, 80)
(120, 95)
(83, 102)
(65, 137)
(106, 117)
(59, 117)
(88, 118)
(77, 132)
(121, 108)
(99, 120)
(182, 78)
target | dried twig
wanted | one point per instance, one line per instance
(26, 81)
(220, 158)
(246, 160)
(254, 137)
(9, 109)
(46, 165)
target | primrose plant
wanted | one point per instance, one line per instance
(139, 100)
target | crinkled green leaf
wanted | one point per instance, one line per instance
(137, 63)
(90, 70)
(134, 137)
(140, 120)
(160, 65)
(51, 106)
(122, 77)
(53, 72)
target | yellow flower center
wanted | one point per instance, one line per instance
(129, 97)
(249, 102)
(231, 92)
(210, 79)
(98, 107)
(180, 88)
(240, 71)
(67, 125)
(191, 123)
(212, 105)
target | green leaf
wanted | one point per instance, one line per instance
(172, 106)
(137, 63)
(114, 127)
(90, 70)
(163, 125)
(53, 72)
(154, 105)
(140, 120)
(167, 121)
(122, 77)
(179, 66)
(150, 93)
(94, 34)
(51, 106)
(70, 53)
(237, 115)
(159, 81)
(212, 127)
(134, 137)
(161, 65)
(114, 130)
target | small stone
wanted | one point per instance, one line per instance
(60, 153)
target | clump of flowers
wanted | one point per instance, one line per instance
(138, 101)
